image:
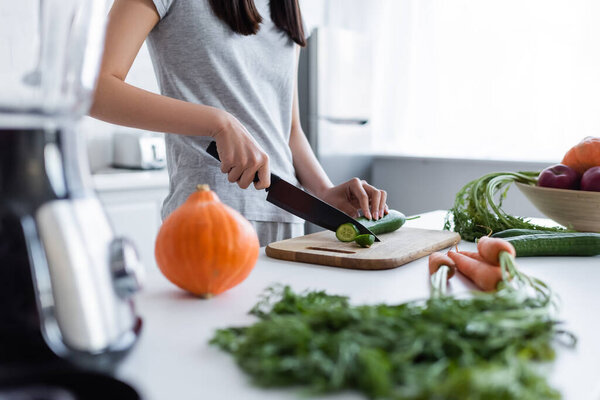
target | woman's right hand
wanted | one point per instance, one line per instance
(241, 156)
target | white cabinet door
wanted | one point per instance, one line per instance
(133, 202)
(139, 222)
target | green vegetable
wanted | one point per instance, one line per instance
(346, 232)
(390, 222)
(365, 240)
(481, 347)
(477, 209)
(557, 244)
(520, 232)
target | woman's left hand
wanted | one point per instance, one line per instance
(355, 195)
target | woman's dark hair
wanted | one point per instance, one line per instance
(243, 17)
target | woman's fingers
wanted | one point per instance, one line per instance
(259, 163)
(354, 195)
(235, 173)
(374, 199)
(246, 178)
(264, 176)
(245, 173)
(358, 191)
(383, 203)
(378, 199)
(369, 199)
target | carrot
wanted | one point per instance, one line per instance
(490, 249)
(472, 254)
(436, 260)
(483, 274)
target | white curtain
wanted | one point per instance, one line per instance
(488, 79)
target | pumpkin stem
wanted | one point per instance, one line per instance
(203, 187)
(206, 296)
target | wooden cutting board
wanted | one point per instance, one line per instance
(395, 249)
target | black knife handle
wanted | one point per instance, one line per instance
(212, 150)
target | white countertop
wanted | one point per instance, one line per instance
(173, 359)
(117, 179)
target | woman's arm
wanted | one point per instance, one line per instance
(115, 101)
(130, 22)
(350, 196)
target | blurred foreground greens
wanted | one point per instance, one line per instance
(488, 346)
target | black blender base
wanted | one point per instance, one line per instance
(63, 384)
(20, 337)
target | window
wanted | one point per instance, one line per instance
(511, 79)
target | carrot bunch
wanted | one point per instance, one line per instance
(491, 265)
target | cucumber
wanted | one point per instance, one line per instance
(346, 232)
(389, 223)
(393, 220)
(519, 232)
(556, 244)
(365, 240)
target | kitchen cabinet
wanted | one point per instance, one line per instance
(133, 201)
(173, 359)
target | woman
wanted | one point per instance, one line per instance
(227, 72)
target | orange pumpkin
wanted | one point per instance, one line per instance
(584, 155)
(205, 246)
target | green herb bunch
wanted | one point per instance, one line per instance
(477, 209)
(481, 347)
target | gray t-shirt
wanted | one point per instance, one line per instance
(198, 58)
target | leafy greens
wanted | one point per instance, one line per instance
(481, 347)
(477, 209)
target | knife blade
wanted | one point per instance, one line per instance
(301, 203)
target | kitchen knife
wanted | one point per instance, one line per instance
(302, 204)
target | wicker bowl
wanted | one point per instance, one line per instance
(575, 209)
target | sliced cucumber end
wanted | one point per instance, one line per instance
(365, 240)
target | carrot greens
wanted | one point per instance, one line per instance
(482, 347)
(477, 209)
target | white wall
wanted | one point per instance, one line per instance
(417, 185)
(504, 80)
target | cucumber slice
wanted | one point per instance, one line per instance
(346, 232)
(365, 240)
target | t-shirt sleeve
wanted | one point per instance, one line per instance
(162, 6)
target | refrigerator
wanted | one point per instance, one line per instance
(335, 90)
